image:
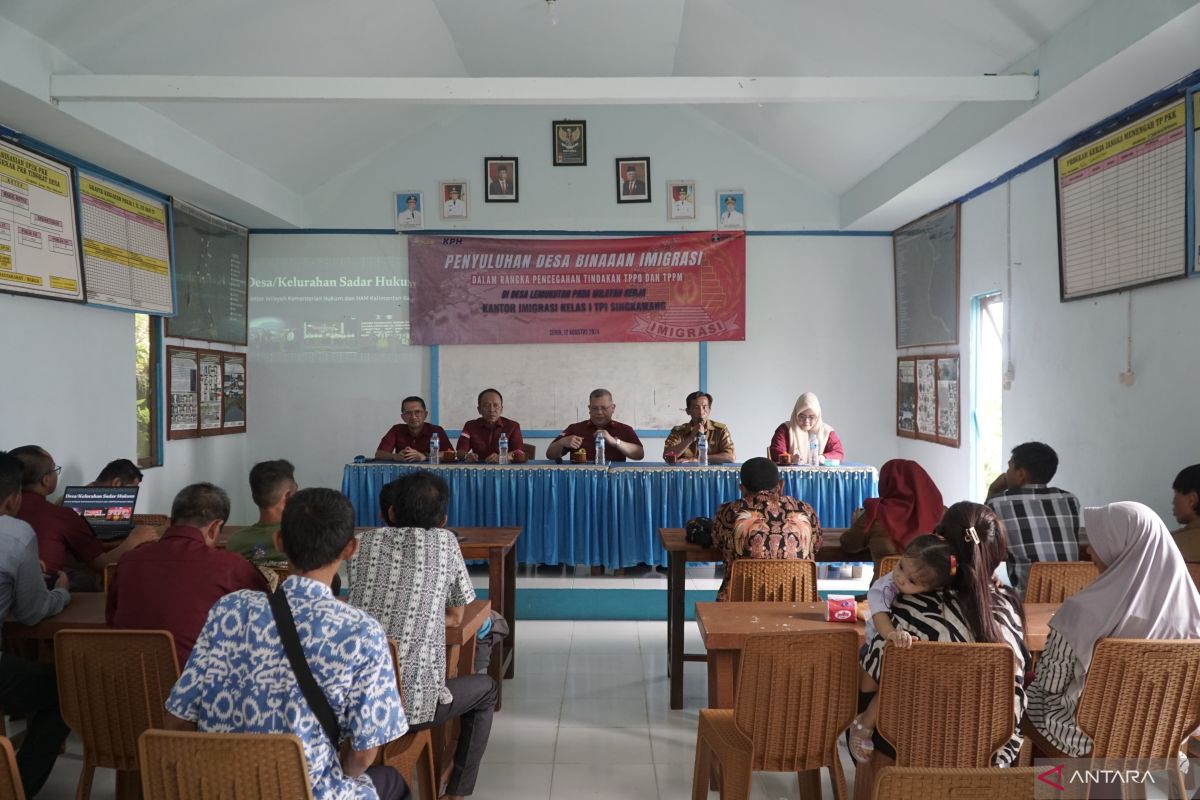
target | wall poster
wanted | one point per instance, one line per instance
(207, 392)
(928, 398)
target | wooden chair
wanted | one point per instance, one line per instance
(972, 716)
(10, 776)
(1055, 581)
(109, 571)
(1141, 699)
(112, 686)
(920, 783)
(229, 766)
(886, 565)
(773, 580)
(796, 694)
(412, 753)
(530, 451)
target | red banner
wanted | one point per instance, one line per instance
(685, 288)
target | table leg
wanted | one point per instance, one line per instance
(676, 578)
(510, 608)
(722, 669)
(496, 595)
(810, 784)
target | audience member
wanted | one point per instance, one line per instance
(909, 504)
(1186, 507)
(1040, 521)
(271, 484)
(412, 578)
(764, 522)
(28, 687)
(121, 472)
(1143, 592)
(239, 678)
(60, 531)
(972, 608)
(171, 584)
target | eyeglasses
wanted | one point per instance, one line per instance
(807, 417)
(55, 471)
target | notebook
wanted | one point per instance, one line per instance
(107, 509)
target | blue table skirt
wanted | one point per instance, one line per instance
(609, 516)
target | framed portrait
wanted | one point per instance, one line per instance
(409, 211)
(500, 177)
(633, 180)
(731, 210)
(569, 140)
(681, 199)
(906, 397)
(454, 198)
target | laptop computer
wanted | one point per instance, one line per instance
(108, 510)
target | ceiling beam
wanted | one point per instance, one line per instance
(540, 91)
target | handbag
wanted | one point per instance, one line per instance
(317, 701)
(699, 531)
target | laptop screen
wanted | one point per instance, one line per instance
(107, 509)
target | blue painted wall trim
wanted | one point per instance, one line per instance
(535, 232)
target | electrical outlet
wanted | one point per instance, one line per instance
(1126, 378)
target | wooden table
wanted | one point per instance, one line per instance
(679, 553)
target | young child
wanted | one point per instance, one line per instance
(928, 564)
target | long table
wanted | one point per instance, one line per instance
(606, 516)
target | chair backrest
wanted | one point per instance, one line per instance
(10, 776)
(773, 580)
(110, 570)
(1055, 581)
(229, 766)
(1194, 571)
(1141, 697)
(530, 451)
(946, 704)
(796, 693)
(153, 520)
(886, 565)
(922, 783)
(112, 686)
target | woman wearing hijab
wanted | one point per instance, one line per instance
(909, 504)
(791, 438)
(1143, 592)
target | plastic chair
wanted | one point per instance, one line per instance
(1055, 581)
(109, 571)
(530, 451)
(412, 753)
(225, 766)
(10, 776)
(1141, 699)
(773, 580)
(920, 783)
(886, 565)
(112, 686)
(153, 520)
(972, 716)
(797, 692)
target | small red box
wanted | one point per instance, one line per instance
(841, 609)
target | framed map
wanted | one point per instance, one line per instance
(925, 256)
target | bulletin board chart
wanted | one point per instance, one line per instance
(1194, 234)
(126, 247)
(1122, 207)
(38, 246)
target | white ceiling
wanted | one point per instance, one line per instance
(303, 146)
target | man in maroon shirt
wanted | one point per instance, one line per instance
(171, 584)
(409, 440)
(620, 440)
(60, 531)
(480, 439)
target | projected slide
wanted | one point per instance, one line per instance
(336, 298)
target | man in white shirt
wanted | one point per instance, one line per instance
(410, 217)
(683, 207)
(732, 218)
(455, 206)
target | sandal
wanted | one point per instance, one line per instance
(861, 742)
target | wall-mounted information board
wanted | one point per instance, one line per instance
(212, 258)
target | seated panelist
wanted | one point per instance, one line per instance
(681, 443)
(409, 440)
(789, 445)
(621, 442)
(480, 438)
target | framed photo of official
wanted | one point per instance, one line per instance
(409, 210)
(454, 199)
(500, 177)
(569, 142)
(681, 200)
(731, 210)
(633, 180)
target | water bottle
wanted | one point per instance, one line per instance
(600, 449)
(503, 455)
(814, 458)
(702, 450)
(435, 450)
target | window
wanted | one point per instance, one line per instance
(987, 420)
(148, 344)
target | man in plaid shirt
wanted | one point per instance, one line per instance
(1041, 522)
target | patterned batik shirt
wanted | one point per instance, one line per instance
(765, 525)
(406, 578)
(1041, 523)
(239, 680)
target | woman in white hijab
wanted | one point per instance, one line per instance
(1143, 592)
(791, 438)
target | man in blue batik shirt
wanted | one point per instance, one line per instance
(239, 679)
